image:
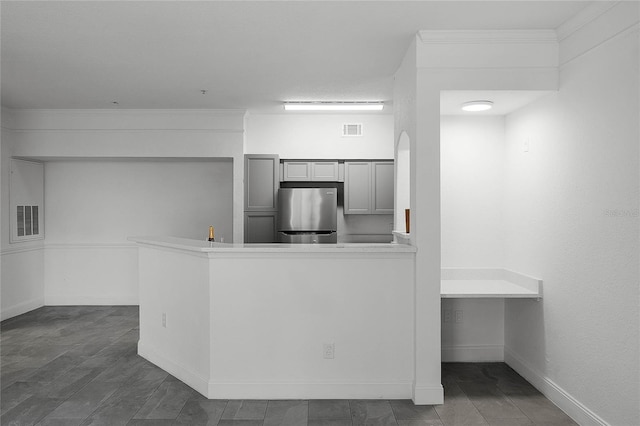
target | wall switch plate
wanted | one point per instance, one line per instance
(526, 145)
(164, 319)
(328, 351)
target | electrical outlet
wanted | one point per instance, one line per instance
(459, 317)
(164, 319)
(526, 145)
(328, 351)
(446, 315)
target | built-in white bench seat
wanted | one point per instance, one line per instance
(488, 283)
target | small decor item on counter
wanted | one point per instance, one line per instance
(211, 236)
(407, 220)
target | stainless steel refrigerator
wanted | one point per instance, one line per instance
(307, 215)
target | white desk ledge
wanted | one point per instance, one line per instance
(488, 283)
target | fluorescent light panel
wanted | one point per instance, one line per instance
(333, 106)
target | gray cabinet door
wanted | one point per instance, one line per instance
(326, 171)
(297, 171)
(310, 171)
(368, 187)
(259, 227)
(382, 187)
(261, 181)
(357, 187)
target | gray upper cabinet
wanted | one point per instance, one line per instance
(297, 171)
(357, 187)
(326, 171)
(310, 171)
(261, 182)
(382, 187)
(368, 187)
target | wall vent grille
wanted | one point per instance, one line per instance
(27, 218)
(351, 129)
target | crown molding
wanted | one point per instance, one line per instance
(487, 36)
(125, 111)
(596, 25)
(124, 119)
(584, 17)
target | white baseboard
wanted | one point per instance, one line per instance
(191, 378)
(281, 390)
(567, 403)
(21, 308)
(473, 353)
(428, 395)
(309, 390)
(87, 300)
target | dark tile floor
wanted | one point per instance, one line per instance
(78, 365)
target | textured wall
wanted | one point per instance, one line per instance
(571, 217)
(472, 186)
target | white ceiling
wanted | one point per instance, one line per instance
(246, 54)
(504, 101)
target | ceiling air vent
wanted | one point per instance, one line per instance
(352, 130)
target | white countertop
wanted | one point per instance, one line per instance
(488, 283)
(484, 289)
(207, 247)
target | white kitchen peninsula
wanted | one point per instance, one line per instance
(254, 321)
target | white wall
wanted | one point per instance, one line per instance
(93, 206)
(478, 336)
(361, 303)
(571, 217)
(107, 201)
(22, 268)
(22, 280)
(472, 187)
(319, 136)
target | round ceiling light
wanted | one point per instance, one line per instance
(475, 106)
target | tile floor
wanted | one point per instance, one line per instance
(78, 365)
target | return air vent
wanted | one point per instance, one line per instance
(350, 130)
(27, 221)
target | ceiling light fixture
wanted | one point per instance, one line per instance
(333, 106)
(475, 106)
